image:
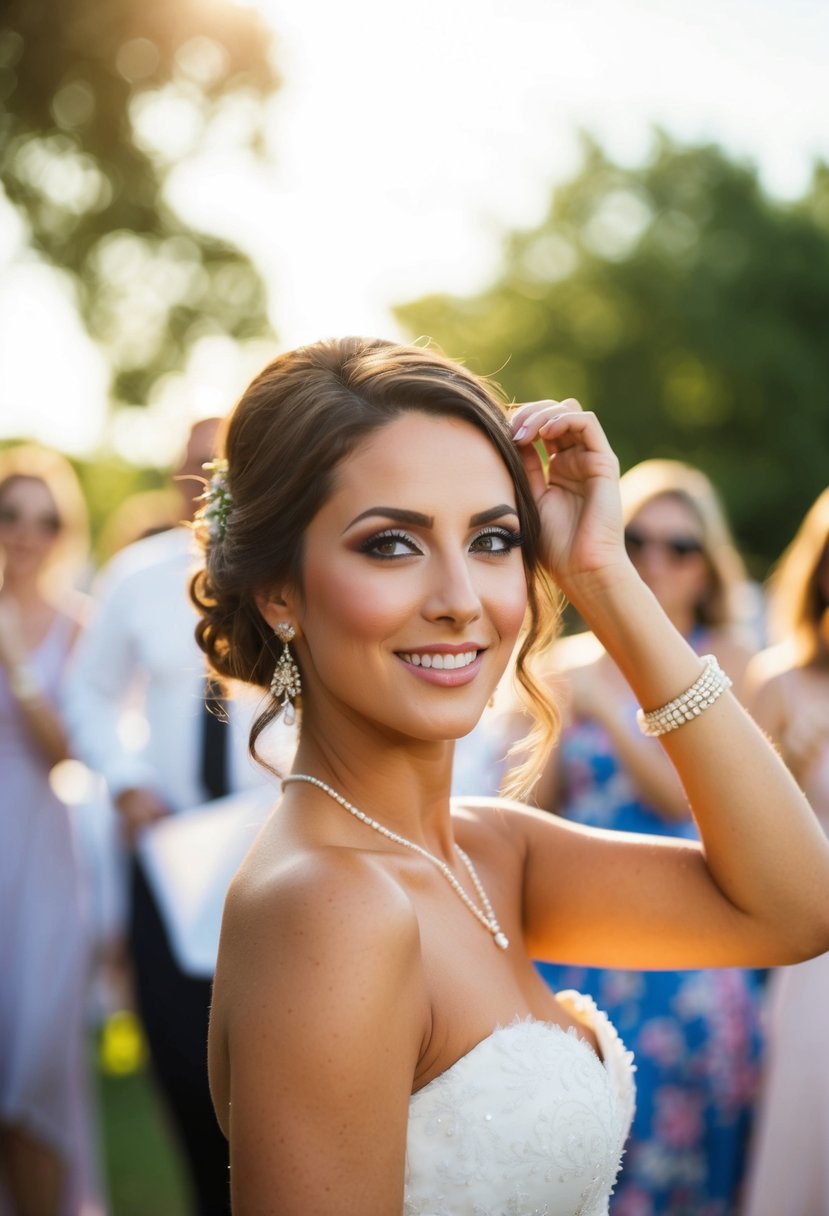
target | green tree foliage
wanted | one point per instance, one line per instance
(688, 308)
(99, 101)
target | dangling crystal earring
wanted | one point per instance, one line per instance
(286, 684)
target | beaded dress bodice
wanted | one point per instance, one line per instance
(530, 1122)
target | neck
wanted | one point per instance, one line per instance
(406, 788)
(25, 589)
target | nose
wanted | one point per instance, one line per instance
(651, 559)
(453, 596)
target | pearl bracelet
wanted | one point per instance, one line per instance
(688, 705)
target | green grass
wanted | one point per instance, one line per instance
(141, 1165)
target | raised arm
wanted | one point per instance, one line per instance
(756, 890)
(317, 1023)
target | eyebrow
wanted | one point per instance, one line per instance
(416, 519)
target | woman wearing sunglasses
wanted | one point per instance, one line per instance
(788, 692)
(693, 1033)
(43, 950)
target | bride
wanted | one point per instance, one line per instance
(382, 533)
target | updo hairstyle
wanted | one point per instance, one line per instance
(302, 415)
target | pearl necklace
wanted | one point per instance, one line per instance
(486, 916)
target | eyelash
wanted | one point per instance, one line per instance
(512, 540)
(370, 546)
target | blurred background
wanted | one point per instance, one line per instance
(626, 202)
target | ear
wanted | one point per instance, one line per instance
(275, 606)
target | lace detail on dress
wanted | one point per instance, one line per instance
(529, 1123)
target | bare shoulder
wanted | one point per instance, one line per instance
(765, 693)
(319, 1019)
(298, 905)
(733, 655)
(484, 813)
(770, 666)
(500, 823)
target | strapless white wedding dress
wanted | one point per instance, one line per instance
(530, 1122)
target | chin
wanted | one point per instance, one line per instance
(454, 727)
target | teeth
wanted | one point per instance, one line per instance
(441, 662)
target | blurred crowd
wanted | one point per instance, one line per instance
(111, 886)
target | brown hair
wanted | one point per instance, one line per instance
(31, 462)
(652, 479)
(798, 603)
(303, 414)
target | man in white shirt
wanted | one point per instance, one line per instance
(140, 651)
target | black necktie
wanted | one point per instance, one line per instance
(214, 739)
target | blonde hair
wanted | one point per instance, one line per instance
(652, 479)
(29, 461)
(797, 604)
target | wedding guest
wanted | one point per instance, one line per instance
(380, 1041)
(46, 1152)
(789, 697)
(139, 653)
(694, 1033)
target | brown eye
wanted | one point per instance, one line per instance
(496, 540)
(389, 546)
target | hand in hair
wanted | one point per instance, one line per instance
(575, 488)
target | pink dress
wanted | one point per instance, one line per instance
(44, 955)
(789, 1173)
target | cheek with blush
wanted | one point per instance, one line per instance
(366, 608)
(508, 606)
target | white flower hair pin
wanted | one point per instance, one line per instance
(217, 500)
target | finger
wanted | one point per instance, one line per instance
(535, 413)
(572, 429)
(529, 418)
(573, 467)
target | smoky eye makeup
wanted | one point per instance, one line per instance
(390, 544)
(496, 541)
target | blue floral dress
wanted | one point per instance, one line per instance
(694, 1034)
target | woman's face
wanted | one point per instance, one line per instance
(29, 524)
(414, 586)
(665, 543)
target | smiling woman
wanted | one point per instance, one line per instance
(45, 1160)
(389, 530)
(373, 594)
(311, 448)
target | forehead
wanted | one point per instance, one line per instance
(420, 457)
(669, 513)
(29, 494)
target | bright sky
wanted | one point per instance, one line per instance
(405, 140)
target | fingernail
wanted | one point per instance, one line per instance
(520, 433)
